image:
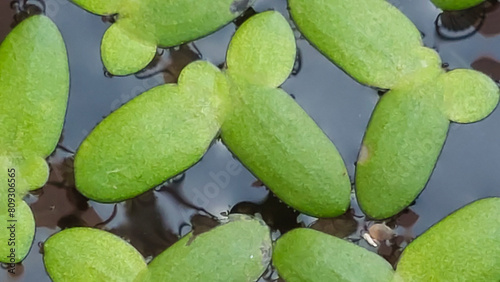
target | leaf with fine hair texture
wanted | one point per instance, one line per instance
(87, 255)
(262, 50)
(239, 250)
(279, 143)
(401, 145)
(469, 95)
(24, 230)
(308, 255)
(465, 246)
(354, 35)
(34, 86)
(151, 23)
(156, 136)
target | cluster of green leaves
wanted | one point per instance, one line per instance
(465, 246)
(378, 46)
(130, 43)
(166, 130)
(34, 86)
(244, 242)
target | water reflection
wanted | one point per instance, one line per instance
(458, 25)
(170, 62)
(488, 66)
(59, 204)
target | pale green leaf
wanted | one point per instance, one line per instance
(34, 85)
(163, 23)
(276, 140)
(401, 145)
(156, 136)
(469, 95)
(30, 172)
(465, 246)
(87, 255)
(308, 255)
(21, 236)
(122, 52)
(100, 7)
(263, 50)
(236, 251)
(451, 5)
(369, 39)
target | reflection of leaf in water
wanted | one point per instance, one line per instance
(463, 19)
(491, 25)
(381, 232)
(276, 214)
(488, 66)
(201, 224)
(407, 218)
(6, 19)
(170, 63)
(144, 226)
(60, 204)
(341, 226)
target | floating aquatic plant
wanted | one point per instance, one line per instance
(239, 250)
(169, 128)
(86, 254)
(130, 43)
(309, 255)
(465, 246)
(378, 46)
(34, 85)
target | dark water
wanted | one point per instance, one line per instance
(466, 171)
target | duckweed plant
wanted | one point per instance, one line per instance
(166, 130)
(34, 86)
(244, 242)
(130, 43)
(378, 46)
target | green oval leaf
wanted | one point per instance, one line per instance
(276, 140)
(465, 246)
(263, 50)
(401, 145)
(86, 254)
(236, 251)
(157, 23)
(20, 228)
(354, 35)
(154, 137)
(33, 97)
(451, 5)
(309, 255)
(100, 7)
(122, 53)
(469, 95)
(28, 88)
